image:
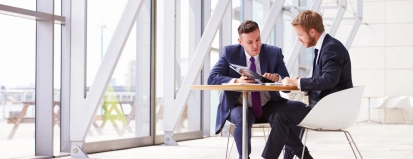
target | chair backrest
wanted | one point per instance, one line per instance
(335, 111)
(397, 102)
(411, 101)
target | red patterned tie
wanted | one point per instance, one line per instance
(255, 96)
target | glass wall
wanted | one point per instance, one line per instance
(124, 111)
(17, 84)
(185, 45)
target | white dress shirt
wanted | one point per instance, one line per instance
(318, 47)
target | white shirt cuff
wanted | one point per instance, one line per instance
(232, 81)
(299, 84)
(279, 78)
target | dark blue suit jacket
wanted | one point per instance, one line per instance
(271, 61)
(332, 72)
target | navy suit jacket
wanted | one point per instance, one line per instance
(332, 72)
(271, 61)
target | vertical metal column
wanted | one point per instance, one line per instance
(206, 95)
(44, 80)
(169, 70)
(65, 90)
(246, 10)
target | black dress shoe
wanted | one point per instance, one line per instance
(306, 155)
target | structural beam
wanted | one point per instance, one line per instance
(356, 25)
(270, 19)
(339, 16)
(29, 14)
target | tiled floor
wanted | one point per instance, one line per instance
(375, 141)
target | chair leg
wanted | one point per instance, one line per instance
(232, 145)
(351, 141)
(410, 116)
(401, 111)
(230, 132)
(301, 133)
(265, 136)
(305, 140)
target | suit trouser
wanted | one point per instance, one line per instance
(269, 108)
(281, 132)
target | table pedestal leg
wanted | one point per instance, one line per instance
(244, 125)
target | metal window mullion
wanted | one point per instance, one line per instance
(194, 109)
(279, 31)
(65, 80)
(246, 10)
(44, 81)
(206, 100)
(78, 39)
(169, 55)
(225, 33)
(142, 64)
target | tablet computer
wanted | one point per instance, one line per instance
(242, 70)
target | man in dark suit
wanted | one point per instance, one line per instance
(331, 73)
(262, 58)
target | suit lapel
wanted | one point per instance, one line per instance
(315, 66)
(263, 61)
(326, 38)
(242, 60)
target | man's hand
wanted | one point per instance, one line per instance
(273, 77)
(287, 81)
(244, 79)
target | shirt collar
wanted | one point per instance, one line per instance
(256, 57)
(320, 41)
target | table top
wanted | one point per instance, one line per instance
(243, 87)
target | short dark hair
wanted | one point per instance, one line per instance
(309, 19)
(247, 26)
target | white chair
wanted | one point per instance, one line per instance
(334, 113)
(262, 126)
(376, 103)
(397, 103)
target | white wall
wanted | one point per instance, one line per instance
(382, 50)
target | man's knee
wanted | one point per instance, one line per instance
(280, 115)
(236, 117)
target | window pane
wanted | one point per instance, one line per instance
(25, 4)
(17, 83)
(125, 108)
